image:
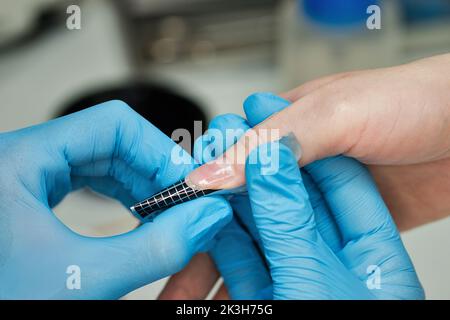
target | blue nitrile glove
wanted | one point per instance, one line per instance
(114, 151)
(244, 271)
(235, 252)
(258, 107)
(371, 262)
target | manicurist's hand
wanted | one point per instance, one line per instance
(235, 255)
(112, 150)
(360, 256)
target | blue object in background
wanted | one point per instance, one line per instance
(337, 13)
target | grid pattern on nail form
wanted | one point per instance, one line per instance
(177, 193)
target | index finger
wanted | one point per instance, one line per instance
(353, 198)
(112, 131)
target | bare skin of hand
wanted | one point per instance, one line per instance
(195, 281)
(396, 120)
(401, 129)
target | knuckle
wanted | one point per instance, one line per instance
(119, 109)
(127, 126)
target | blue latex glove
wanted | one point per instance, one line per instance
(243, 270)
(114, 151)
(372, 262)
(257, 108)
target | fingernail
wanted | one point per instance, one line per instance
(215, 175)
(293, 144)
(223, 174)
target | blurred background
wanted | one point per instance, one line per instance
(176, 61)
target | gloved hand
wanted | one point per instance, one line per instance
(369, 261)
(242, 269)
(114, 151)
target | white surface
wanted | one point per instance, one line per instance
(34, 82)
(428, 248)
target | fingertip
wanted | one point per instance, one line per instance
(259, 106)
(217, 203)
(212, 211)
(207, 217)
(118, 107)
(264, 97)
(118, 103)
